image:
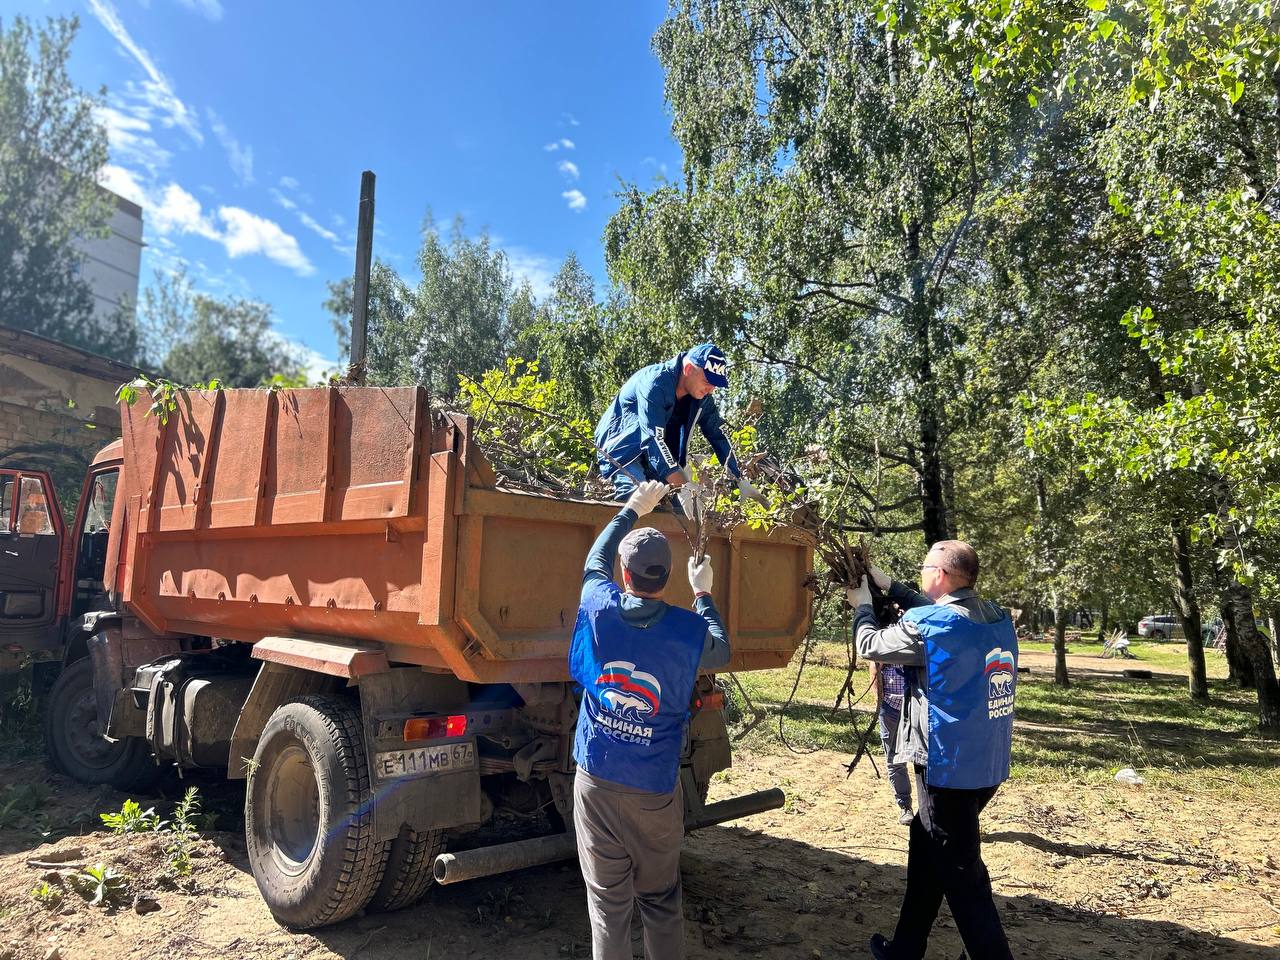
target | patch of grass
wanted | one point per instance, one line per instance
(1082, 734)
(22, 804)
(1170, 656)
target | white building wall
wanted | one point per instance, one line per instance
(112, 263)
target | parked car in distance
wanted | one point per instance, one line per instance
(1160, 628)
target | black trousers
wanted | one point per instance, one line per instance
(944, 859)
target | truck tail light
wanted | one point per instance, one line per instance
(433, 728)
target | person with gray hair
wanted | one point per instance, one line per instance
(959, 653)
(637, 659)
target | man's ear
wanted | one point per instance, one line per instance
(626, 579)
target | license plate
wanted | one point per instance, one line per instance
(440, 759)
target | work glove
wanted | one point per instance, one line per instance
(700, 575)
(859, 595)
(880, 577)
(647, 496)
(747, 491)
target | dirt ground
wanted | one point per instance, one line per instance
(1116, 872)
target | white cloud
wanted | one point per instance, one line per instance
(124, 182)
(211, 9)
(538, 270)
(577, 202)
(129, 134)
(284, 201)
(316, 227)
(563, 143)
(157, 91)
(570, 119)
(569, 169)
(306, 219)
(651, 162)
(240, 232)
(248, 233)
(240, 157)
(179, 212)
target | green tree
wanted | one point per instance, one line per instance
(51, 151)
(465, 316)
(831, 208)
(194, 337)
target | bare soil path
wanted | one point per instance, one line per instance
(1080, 872)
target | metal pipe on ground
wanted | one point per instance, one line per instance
(505, 857)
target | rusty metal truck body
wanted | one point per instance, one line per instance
(327, 592)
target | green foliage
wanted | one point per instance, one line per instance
(184, 833)
(193, 337)
(100, 885)
(519, 419)
(52, 147)
(464, 317)
(46, 894)
(133, 819)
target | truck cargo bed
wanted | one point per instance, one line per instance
(356, 513)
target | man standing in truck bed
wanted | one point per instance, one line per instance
(637, 659)
(644, 434)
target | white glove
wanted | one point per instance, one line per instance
(880, 577)
(647, 496)
(859, 595)
(700, 575)
(748, 491)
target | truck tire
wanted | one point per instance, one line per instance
(77, 750)
(408, 876)
(308, 817)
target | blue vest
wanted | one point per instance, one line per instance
(636, 685)
(972, 669)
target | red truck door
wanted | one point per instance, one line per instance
(31, 538)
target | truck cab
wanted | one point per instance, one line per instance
(51, 576)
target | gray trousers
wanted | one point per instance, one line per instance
(629, 850)
(899, 776)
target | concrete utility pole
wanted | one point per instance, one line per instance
(360, 298)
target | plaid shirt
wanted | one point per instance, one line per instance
(894, 683)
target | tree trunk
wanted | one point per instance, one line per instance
(1060, 646)
(919, 322)
(1189, 613)
(1273, 621)
(1254, 651)
(1238, 671)
(1102, 623)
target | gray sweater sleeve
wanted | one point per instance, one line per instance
(715, 649)
(900, 643)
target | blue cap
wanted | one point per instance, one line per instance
(711, 359)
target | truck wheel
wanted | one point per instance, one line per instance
(408, 875)
(74, 746)
(308, 818)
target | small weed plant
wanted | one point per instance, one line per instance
(46, 894)
(133, 819)
(184, 833)
(102, 886)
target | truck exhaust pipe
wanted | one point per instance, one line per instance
(505, 857)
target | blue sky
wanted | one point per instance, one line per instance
(242, 128)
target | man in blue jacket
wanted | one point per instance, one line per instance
(637, 660)
(960, 654)
(644, 434)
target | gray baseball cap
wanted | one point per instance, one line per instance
(646, 553)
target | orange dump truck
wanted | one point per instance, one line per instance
(326, 592)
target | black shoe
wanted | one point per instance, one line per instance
(881, 948)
